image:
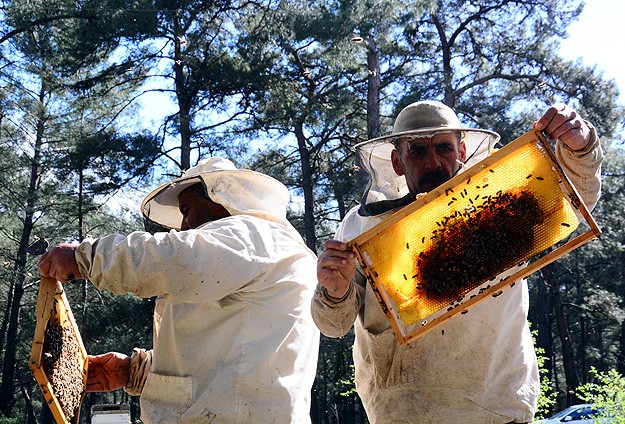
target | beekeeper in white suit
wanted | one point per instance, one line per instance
(481, 367)
(234, 338)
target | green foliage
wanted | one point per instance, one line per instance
(349, 384)
(547, 396)
(607, 393)
(279, 86)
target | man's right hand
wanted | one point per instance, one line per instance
(60, 263)
(108, 372)
(336, 267)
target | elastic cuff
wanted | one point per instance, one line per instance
(84, 256)
(592, 143)
(324, 293)
(140, 365)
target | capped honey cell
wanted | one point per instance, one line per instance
(476, 248)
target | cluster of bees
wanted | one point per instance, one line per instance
(477, 244)
(61, 360)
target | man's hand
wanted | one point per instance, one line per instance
(60, 263)
(335, 268)
(108, 372)
(562, 122)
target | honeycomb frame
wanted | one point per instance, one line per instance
(390, 253)
(53, 309)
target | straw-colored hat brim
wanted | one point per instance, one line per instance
(472, 137)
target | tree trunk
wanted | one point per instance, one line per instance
(81, 236)
(568, 360)
(29, 414)
(373, 107)
(583, 342)
(544, 320)
(620, 366)
(600, 343)
(46, 417)
(183, 99)
(307, 187)
(556, 378)
(449, 95)
(7, 315)
(7, 386)
(319, 395)
(373, 89)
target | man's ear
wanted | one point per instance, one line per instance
(463, 151)
(396, 161)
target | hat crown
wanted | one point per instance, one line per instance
(426, 115)
(210, 165)
(421, 119)
(240, 191)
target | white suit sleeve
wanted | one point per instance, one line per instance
(205, 264)
(583, 168)
(335, 317)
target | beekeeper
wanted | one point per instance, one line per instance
(479, 367)
(234, 338)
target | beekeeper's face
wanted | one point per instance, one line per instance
(197, 208)
(428, 161)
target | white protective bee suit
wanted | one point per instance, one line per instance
(477, 368)
(234, 338)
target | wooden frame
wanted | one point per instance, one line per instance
(408, 332)
(53, 307)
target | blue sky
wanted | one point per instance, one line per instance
(598, 37)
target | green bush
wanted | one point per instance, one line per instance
(607, 392)
(548, 395)
(10, 420)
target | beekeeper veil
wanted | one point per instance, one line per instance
(423, 118)
(240, 191)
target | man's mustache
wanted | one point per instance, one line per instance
(431, 177)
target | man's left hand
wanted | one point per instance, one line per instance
(60, 263)
(563, 123)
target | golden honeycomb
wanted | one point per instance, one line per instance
(58, 357)
(499, 213)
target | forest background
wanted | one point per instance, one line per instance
(286, 88)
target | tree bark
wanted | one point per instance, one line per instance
(7, 386)
(182, 97)
(307, 187)
(373, 107)
(29, 414)
(583, 342)
(373, 89)
(544, 320)
(620, 367)
(449, 95)
(568, 359)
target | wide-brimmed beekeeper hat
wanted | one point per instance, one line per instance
(240, 191)
(419, 119)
